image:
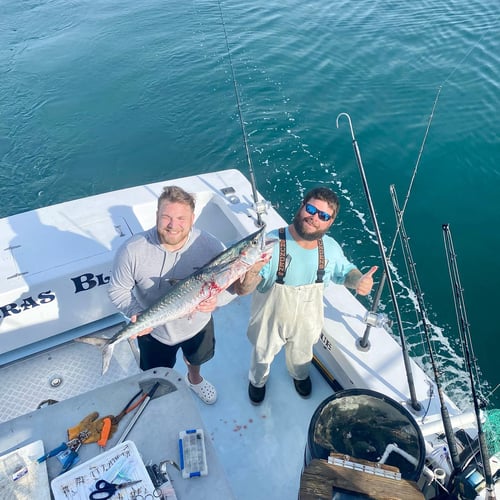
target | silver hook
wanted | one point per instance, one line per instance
(350, 123)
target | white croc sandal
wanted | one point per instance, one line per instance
(204, 390)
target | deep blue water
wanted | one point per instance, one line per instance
(99, 95)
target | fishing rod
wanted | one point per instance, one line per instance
(260, 207)
(465, 339)
(399, 219)
(406, 358)
(378, 291)
(408, 257)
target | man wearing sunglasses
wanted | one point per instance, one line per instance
(287, 308)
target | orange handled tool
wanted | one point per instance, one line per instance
(106, 429)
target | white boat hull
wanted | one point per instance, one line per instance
(54, 268)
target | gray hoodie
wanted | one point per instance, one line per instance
(143, 271)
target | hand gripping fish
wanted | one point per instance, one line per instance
(184, 297)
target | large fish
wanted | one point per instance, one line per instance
(184, 297)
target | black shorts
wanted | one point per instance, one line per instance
(197, 350)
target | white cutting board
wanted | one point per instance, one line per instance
(80, 481)
(33, 481)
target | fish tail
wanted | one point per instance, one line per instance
(107, 349)
(107, 354)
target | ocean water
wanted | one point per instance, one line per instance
(100, 95)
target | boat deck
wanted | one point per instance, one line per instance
(254, 451)
(259, 449)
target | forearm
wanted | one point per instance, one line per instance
(352, 279)
(124, 300)
(122, 283)
(121, 294)
(248, 283)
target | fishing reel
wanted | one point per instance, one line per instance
(379, 320)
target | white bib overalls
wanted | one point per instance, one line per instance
(290, 316)
(285, 316)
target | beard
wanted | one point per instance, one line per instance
(172, 238)
(302, 229)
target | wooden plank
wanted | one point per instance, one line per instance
(319, 478)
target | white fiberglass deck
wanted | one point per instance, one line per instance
(260, 448)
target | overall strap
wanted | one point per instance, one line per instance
(280, 273)
(321, 262)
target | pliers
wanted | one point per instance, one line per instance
(130, 406)
(111, 420)
(66, 452)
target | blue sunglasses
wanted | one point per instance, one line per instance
(312, 210)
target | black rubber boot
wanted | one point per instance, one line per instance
(256, 394)
(303, 387)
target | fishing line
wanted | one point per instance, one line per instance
(414, 173)
(399, 219)
(415, 168)
(464, 58)
(258, 206)
(378, 292)
(493, 391)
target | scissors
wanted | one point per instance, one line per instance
(104, 489)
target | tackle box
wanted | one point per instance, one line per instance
(192, 453)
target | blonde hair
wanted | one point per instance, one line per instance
(175, 194)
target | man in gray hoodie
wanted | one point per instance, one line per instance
(147, 265)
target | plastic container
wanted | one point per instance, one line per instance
(192, 453)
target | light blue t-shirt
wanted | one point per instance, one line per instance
(302, 264)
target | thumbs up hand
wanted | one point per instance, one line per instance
(365, 283)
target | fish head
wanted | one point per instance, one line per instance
(258, 247)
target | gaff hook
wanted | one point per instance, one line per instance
(363, 344)
(350, 123)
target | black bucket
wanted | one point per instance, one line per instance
(367, 425)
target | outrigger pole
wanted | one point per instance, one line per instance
(259, 205)
(406, 358)
(465, 339)
(445, 416)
